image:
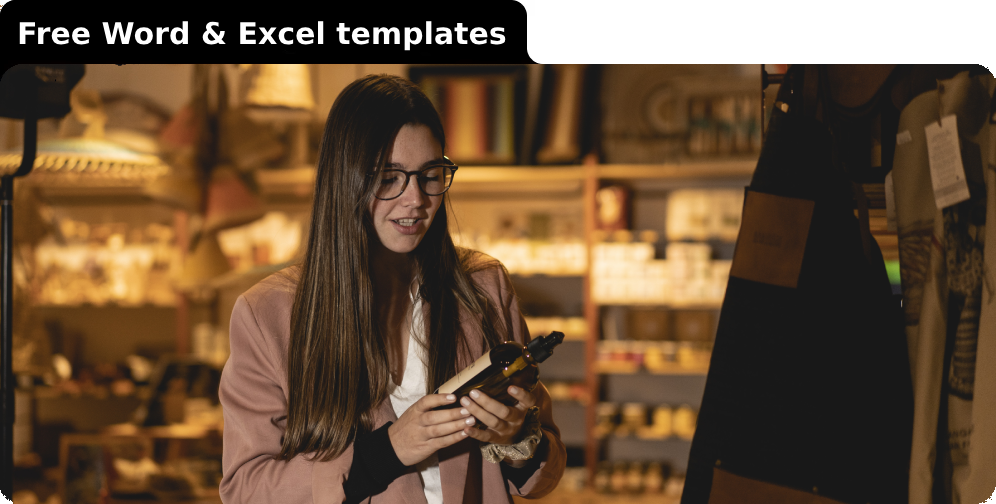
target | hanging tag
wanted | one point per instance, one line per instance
(903, 137)
(946, 171)
(772, 239)
(890, 205)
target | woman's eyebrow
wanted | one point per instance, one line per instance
(431, 162)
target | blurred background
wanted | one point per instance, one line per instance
(612, 193)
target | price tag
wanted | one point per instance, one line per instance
(947, 174)
(772, 240)
(903, 137)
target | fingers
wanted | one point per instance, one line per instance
(446, 429)
(526, 399)
(486, 409)
(431, 401)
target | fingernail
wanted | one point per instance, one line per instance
(464, 412)
(451, 397)
(475, 394)
(513, 390)
(463, 433)
(470, 421)
(465, 401)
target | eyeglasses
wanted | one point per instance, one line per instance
(432, 180)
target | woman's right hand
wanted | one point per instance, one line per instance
(420, 431)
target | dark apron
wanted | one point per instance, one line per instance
(808, 397)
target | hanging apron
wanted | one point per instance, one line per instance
(808, 397)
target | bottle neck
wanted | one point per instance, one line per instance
(520, 363)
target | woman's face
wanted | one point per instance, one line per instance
(402, 222)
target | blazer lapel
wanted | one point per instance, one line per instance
(460, 464)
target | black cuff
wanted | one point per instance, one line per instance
(375, 465)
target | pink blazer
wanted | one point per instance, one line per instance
(254, 391)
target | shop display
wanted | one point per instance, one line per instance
(723, 125)
(574, 328)
(645, 421)
(699, 214)
(275, 238)
(637, 478)
(627, 273)
(106, 263)
(528, 257)
(568, 391)
(624, 356)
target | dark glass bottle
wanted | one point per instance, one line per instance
(510, 363)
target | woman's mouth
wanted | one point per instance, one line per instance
(406, 226)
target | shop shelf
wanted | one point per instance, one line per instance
(644, 387)
(569, 417)
(633, 449)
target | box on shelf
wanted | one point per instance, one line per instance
(648, 324)
(694, 325)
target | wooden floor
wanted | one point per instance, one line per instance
(588, 496)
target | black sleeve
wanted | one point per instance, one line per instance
(375, 466)
(519, 475)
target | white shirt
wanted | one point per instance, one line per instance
(411, 389)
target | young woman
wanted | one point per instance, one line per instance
(327, 394)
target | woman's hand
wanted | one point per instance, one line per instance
(420, 432)
(504, 422)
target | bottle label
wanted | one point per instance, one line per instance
(465, 375)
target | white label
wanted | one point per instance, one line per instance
(946, 171)
(904, 137)
(890, 204)
(466, 374)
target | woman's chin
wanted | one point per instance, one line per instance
(404, 245)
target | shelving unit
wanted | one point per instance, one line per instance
(675, 386)
(123, 325)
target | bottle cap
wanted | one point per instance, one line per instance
(542, 347)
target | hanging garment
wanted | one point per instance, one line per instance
(947, 293)
(808, 397)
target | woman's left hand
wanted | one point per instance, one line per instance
(504, 422)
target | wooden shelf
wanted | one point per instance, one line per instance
(669, 306)
(114, 306)
(590, 496)
(539, 274)
(299, 182)
(669, 371)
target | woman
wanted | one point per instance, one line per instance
(327, 393)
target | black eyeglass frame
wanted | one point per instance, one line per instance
(408, 176)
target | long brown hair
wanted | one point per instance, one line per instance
(337, 362)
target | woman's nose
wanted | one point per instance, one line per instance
(412, 197)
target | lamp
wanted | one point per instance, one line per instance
(281, 94)
(28, 92)
(91, 161)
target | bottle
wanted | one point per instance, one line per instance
(509, 363)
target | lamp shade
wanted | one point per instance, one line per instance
(88, 162)
(279, 89)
